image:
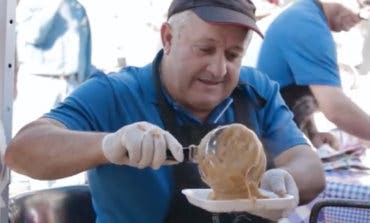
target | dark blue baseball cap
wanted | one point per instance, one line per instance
(238, 12)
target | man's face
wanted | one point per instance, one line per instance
(203, 63)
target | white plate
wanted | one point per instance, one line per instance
(199, 198)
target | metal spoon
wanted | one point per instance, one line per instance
(190, 152)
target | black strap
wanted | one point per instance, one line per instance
(241, 106)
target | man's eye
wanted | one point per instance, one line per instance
(232, 56)
(205, 50)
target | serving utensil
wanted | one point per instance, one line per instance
(190, 152)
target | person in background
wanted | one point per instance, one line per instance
(53, 56)
(299, 53)
(119, 126)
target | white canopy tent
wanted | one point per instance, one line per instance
(7, 59)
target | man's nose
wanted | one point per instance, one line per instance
(218, 65)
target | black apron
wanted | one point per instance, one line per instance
(186, 175)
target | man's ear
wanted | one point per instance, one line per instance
(166, 37)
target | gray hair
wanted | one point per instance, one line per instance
(179, 20)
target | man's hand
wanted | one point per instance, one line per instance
(141, 145)
(320, 138)
(280, 182)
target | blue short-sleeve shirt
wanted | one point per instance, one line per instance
(107, 102)
(298, 48)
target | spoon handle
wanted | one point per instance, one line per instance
(189, 154)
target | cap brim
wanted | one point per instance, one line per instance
(226, 16)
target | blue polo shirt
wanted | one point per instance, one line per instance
(298, 48)
(107, 102)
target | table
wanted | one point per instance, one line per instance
(347, 177)
(341, 183)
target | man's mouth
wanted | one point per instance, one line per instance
(209, 82)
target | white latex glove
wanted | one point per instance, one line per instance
(280, 182)
(141, 145)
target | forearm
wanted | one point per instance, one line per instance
(351, 119)
(340, 110)
(310, 128)
(46, 150)
(306, 168)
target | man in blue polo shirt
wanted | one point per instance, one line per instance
(119, 126)
(299, 53)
